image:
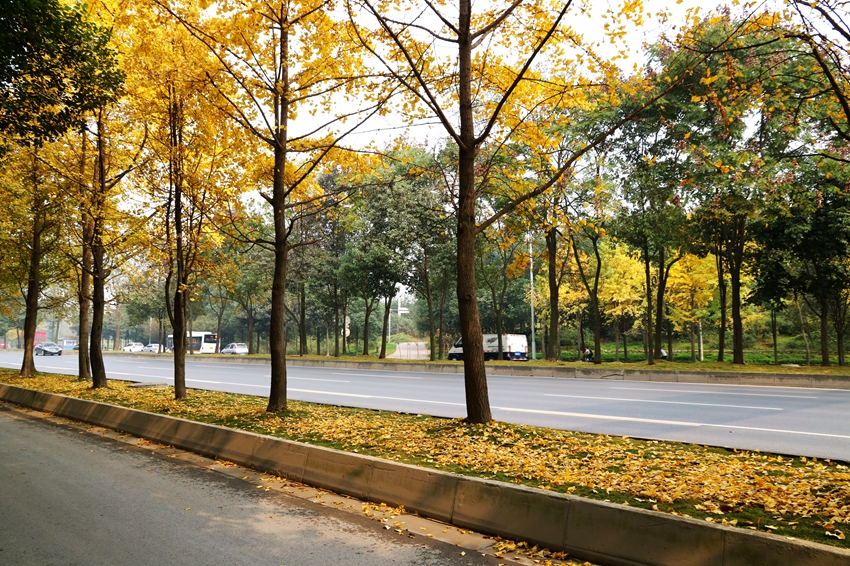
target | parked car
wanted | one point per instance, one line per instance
(237, 348)
(134, 347)
(151, 348)
(48, 349)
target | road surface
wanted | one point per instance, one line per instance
(80, 499)
(786, 420)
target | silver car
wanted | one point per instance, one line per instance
(237, 348)
(48, 349)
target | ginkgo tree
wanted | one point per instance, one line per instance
(481, 71)
(691, 289)
(194, 159)
(621, 294)
(290, 75)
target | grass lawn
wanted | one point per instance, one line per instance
(794, 497)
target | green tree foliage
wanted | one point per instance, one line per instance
(55, 67)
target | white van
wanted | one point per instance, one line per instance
(514, 347)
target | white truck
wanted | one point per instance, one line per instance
(514, 347)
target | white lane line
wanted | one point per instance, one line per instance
(675, 423)
(228, 365)
(713, 392)
(664, 402)
(361, 396)
(171, 379)
(313, 379)
(376, 375)
(141, 375)
(588, 415)
(266, 387)
(317, 379)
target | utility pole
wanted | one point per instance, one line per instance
(531, 272)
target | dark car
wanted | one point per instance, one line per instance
(48, 349)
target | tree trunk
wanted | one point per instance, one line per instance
(553, 344)
(116, 343)
(429, 299)
(444, 291)
(617, 340)
(345, 326)
(735, 266)
(337, 329)
(178, 324)
(824, 332)
(693, 342)
(659, 304)
(838, 313)
(474, 370)
(580, 329)
(597, 329)
(250, 314)
(647, 268)
(302, 319)
(803, 330)
(190, 334)
(33, 287)
(370, 304)
(98, 261)
(219, 316)
(625, 344)
(387, 306)
(773, 333)
(670, 341)
(98, 368)
(277, 343)
(701, 350)
(721, 289)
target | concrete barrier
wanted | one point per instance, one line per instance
(567, 372)
(615, 535)
(519, 369)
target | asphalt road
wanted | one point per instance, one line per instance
(786, 420)
(69, 499)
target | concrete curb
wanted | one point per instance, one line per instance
(615, 535)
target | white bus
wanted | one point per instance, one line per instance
(199, 342)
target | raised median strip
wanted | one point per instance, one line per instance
(611, 534)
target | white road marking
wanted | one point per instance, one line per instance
(539, 411)
(266, 387)
(589, 415)
(361, 396)
(664, 402)
(376, 375)
(140, 374)
(676, 423)
(713, 392)
(313, 379)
